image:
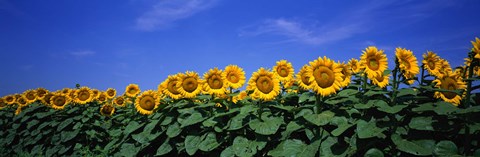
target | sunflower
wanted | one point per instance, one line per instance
(347, 74)
(83, 95)
(96, 93)
(303, 80)
(72, 94)
(111, 93)
(30, 96)
(354, 65)
(408, 63)
(46, 99)
(264, 84)
(66, 91)
(102, 97)
(234, 76)
(10, 99)
(289, 84)
(19, 110)
(107, 110)
(41, 92)
(242, 95)
(189, 84)
(59, 101)
(213, 82)
(431, 62)
(476, 48)
(132, 90)
(3, 104)
(120, 101)
(169, 87)
(284, 71)
(444, 68)
(381, 80)
(374, 62)
(449, 82)
(325, 75)
(147, 102)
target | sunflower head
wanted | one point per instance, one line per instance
(22, 101)
(189, 84)
(234, 76)
(214, 83)
(147, 102)
(10, 99)
(132, 90)
(476, 48)
(354, 65)
(346, 74)
(83, 95)
(41, 92)
(59, 101)
(30, 96)
(96, 93)
(3, 104)
(374, 62)
(107, 109)
(408, 63)
(111, 93)
(169, 87)
(283, 70)
(242, 95)
(46, 99)
(431, 62)
(303, 78)
(66, 91)
(381, 80)
(102, 97)
(444, 68)
(120, 101)
(449, 81)
(325, 75)
(264, 84)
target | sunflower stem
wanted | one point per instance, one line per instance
(395, 81)
(423, 74)
(466, 103)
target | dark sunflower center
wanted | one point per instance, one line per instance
(379, 78)
(305, 79)
(171, 87)
(3, 104)
(83, 95)
(22, 101)
(215, 82)
(372, 64)
(147, 103)
(102, 98)
(30, 95)
(265, 84)
(324, 76)
(59, 101)
(120, 101)
(107, 109)
(10, 99)
(354, 67)
(232, 77)
(431, 65)
(111, 93)
(41, 93)
(132, 90)
(449, 84)
(406, 64)
(190, 84)
(282, 71)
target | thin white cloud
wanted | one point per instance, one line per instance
(164, 13)
(377, 15)
(82, 53)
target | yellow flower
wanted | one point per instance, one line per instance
(283, 70)
(242, 95)
(102, 97)
(41, 92)
(169, 87)
(374, 62)
(234, 76)
(449, 81)
(147, 102)
(10, 99)
(213, 82)
(46, 99)
(107, 110)
(189, 84)
(444, 68)
(132, 90)
(354, 65)
(66, 91)
(289, 83)
(111, 93)
(264, 84)
(83, 95)
(59, 101)
(408, 63)
(381, 80)
(3, 104)
(325, 75)
(347, 74)
(303, 80)
(431, 63)
(96, 93)
(30, 96)
(22, 101)
(19, 110)
(119, 101)
(476, 48)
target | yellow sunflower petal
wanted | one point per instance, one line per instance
(373, 61)
(169, 87)
(132, 90)
(111, 93)
(83, 95)
(107, 110)
(59, 101)
(283, 70)
(234, 76)
(431, 63)
(449, 81)
(408, 63)
(354, 65)
(303, 80)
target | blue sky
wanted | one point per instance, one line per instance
(102, 44)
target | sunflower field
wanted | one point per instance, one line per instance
(328, 108)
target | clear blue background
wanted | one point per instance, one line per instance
(109, 43)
